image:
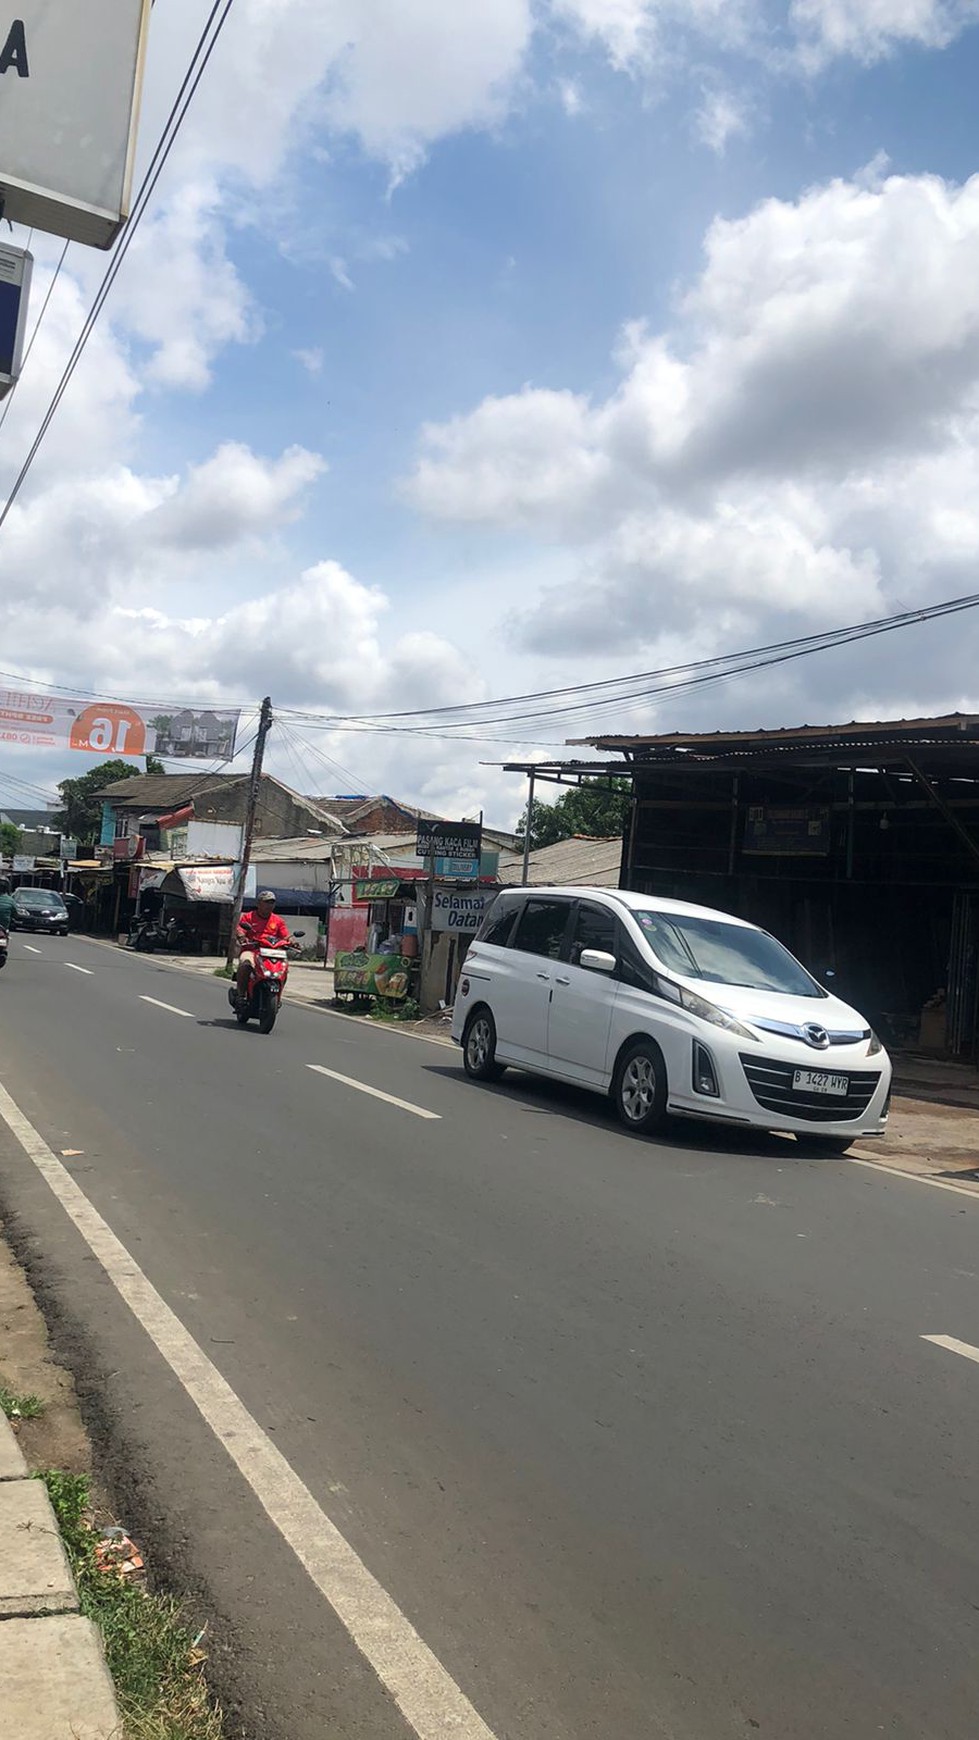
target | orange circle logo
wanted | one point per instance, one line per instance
(107, 729)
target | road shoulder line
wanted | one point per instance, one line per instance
(423, 1690)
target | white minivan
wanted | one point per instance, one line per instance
(667, 1008)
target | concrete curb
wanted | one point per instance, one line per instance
(54, 1684)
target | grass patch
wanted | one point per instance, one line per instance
(160, 1688)
(20, 1407)
(225, 972)
(395, 1009)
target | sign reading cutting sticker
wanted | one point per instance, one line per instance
(70, 78)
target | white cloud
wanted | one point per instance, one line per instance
(311, 359)
(869, 29)
(796, 444)
(635, 33)
(722, 116)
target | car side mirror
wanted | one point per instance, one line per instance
(597, 961)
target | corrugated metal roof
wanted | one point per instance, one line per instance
(577, 862)
(299, 849)
(947, 727)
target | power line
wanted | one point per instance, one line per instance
(174, 121)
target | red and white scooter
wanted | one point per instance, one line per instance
(266, 982)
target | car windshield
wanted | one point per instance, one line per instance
(728, 954)
(38, 897)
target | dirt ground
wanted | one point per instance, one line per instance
(28, 1367)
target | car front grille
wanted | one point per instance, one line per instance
(770, 1081)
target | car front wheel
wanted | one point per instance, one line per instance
(479, 1047)
(639, 1088)
(826, 1144)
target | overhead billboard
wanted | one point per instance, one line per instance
(116, 728)
(70, 79)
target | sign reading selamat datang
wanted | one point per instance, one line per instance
(116, 728)
(70, 76)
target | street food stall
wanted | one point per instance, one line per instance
(386, 968)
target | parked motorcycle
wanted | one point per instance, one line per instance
(181, 938)
(4, 945)
(266, 983)
(146, 935)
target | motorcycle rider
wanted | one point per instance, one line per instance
(6, 905)
(260, 929)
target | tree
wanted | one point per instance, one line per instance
(80, 815)
(154, 764)
(10, 836)
(592, 809)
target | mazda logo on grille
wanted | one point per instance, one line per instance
(815, 1035)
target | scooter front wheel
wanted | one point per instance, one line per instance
(268, 1013)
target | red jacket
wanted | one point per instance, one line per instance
(259, 933)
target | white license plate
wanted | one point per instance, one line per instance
(817, 1081)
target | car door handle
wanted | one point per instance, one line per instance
(545, 976)
(562, 981)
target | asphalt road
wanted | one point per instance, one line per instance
(642, 1437)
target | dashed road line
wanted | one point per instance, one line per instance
(171, 1008)
(375, 1093)
(74, 969)
(952, 1345)
(32, 950)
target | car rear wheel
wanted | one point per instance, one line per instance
(479, 1047)
(639, 1088)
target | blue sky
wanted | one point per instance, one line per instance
(529, 345)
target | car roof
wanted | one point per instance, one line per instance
(633, 902)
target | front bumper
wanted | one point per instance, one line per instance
(756, 1088)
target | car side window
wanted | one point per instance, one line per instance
(541, 928)
(498, 926)
(594, 928)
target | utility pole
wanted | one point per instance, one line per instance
(254, 786)
(526, 833)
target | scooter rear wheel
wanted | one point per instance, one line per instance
(241, 1016)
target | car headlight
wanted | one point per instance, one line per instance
(875, 1045)
(699, 1006)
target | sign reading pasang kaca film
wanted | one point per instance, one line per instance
(70, 77)
(449, 840)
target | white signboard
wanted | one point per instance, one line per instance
(70, 77)
(215, 882)
(23, 865)
(461, 912)
(114, 727)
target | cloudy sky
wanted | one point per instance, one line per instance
(474, 349)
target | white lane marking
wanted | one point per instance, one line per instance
(432, 1704)
(913, 1177)
(170, 1007)
(375, 1093)
(965, 1348)
(72, 967)
(32, 950)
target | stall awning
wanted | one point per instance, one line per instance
(291, 899)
